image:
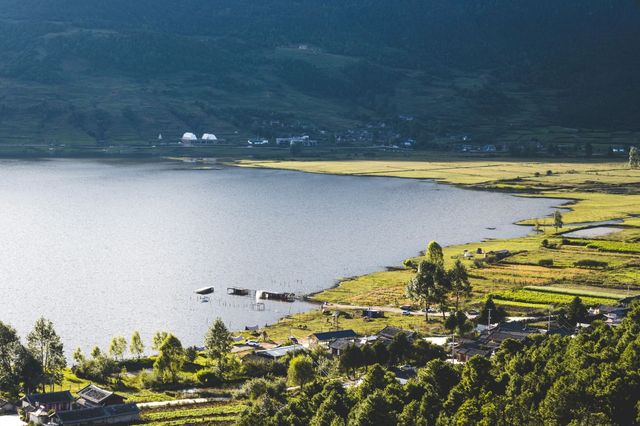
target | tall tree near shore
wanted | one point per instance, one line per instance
(425, 287)
(158, 340)
(136, 347)
(170, 359)
(460, 284)
(218, 340)
(435, 254)
(557, 220)
(634, 158)
(118, 347)
(9, 350)
(46, 346)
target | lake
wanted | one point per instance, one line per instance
(106, 248)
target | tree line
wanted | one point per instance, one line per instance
(39, 365)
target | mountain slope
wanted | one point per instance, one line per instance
(94, 71)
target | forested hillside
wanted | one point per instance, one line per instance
(116, 71)
(587, 379)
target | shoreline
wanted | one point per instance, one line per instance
(569, 205)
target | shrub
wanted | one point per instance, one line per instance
(410, 264)
(208, 378)
(545, 243)
(590, 263)
(545, 262)
(255, 368)
(256, 388)
(191, 353)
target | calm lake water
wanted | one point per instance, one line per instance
(103, 249)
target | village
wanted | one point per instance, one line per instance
(405, 352)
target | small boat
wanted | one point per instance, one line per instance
(204, 290)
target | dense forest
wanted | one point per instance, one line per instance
(121, 71)
(588, 379)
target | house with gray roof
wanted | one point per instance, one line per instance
(111, 414)
(93, 396)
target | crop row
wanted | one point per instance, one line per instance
(574, 292)
(177, 413)
(530, 296)
(195, 421)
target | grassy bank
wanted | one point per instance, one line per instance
(602, 191)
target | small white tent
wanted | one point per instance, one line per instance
(209, 137)
(189, 138)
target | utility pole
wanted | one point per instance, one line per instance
(453, 347)
(489, 319)
(549, 321)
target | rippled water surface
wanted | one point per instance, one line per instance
(103, 249)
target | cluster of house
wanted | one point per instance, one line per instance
(287, 142)
(296, 140)
(93, 406)
(335, 341)
(490, 338)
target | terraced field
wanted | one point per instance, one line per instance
(215, 413)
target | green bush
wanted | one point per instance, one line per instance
(590, 263)
(545, 262)
(208, 378)
(410, 264)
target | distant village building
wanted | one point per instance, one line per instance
(302, 140)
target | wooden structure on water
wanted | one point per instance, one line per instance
(282, 297)
(235, 291)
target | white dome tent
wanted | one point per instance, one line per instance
(189, 138)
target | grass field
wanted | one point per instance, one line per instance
(303, 324)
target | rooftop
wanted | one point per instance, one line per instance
(332, 335)
(94, 394)
(48, 398)
(390, 332)
(279, 352)
(96, 413)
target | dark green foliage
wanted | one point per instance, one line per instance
(209, 378)
(191, 353)
(592, 378)
(545, 262)
(498, 313)
(589, 263)
(576, 312)
(20, 371)
(457, 322)
(189, 64)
